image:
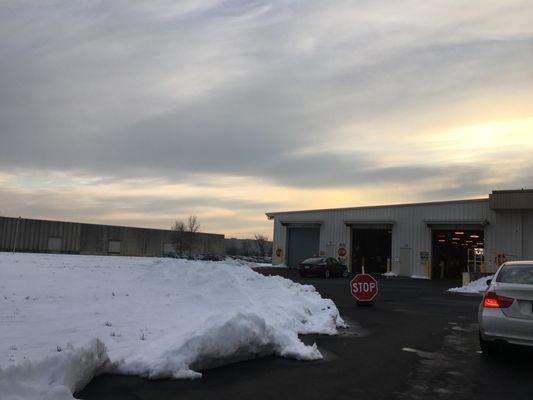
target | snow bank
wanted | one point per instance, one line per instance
(419, 277)
(250, 264)
(66, 318)
(56, 376)
(389, 274)
(477, 286)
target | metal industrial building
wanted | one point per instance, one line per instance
(32, 235)
(434, 240)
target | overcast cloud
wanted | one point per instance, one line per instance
(143, 112)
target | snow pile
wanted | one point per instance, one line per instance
(66, 318)
(56, 376)
(477, 286)
(251, 264)
(265, 265)
(389, 274)
(419, 277)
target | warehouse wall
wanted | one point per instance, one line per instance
(77, 238)
(95, 239)
(210, 244)
(34, 235)
(527, 224)
(509, 232)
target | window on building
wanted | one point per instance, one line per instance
(54, 244)
(114, 246)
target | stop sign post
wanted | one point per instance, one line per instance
(364, 288)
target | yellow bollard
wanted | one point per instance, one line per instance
(388, 264)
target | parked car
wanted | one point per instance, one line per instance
(506, 312)
(322, 266)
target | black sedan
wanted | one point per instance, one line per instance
(322, 266)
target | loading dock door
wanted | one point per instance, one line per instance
(54, 244)
(452, 251)
(371, 247)
(302, 243)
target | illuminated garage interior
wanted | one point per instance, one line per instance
(456, 251)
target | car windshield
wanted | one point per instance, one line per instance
(516, 273)
(317, 260)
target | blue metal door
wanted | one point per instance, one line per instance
(302, 243)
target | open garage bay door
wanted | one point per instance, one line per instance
(303, 242)
(371, 248)
(456, 251)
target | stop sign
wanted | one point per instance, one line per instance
(364, 287)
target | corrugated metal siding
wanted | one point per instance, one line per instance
(528, 235)
(502, 235)
(7, 233)
(511, 200)
(33, 236)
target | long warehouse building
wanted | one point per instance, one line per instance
(43, 236)
(432, 240)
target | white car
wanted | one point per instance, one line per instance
(506, 312)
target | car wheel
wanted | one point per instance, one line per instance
(327, 273)
(488, 348)
(345, 273)
(303, 274)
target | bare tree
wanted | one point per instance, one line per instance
(262, 243)
(192, 224)
(184, 235)
(179, 237)
(192, 228)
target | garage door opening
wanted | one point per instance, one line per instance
(302, 243)
(371, 247)
(456, 251)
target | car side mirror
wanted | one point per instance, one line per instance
(489, 281)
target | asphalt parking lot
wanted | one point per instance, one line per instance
(417, 342)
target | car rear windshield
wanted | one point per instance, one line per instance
(516, 273)
(314, 261)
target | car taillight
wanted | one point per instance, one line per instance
(492, 300)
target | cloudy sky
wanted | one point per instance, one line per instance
(143, 112)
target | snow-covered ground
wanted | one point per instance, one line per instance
(65, 318)
(477, 286)
(393, 274)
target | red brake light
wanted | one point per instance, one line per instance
(492, 300)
